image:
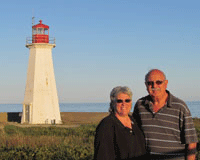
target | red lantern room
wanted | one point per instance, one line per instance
(40, 33)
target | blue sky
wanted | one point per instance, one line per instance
(101, 44)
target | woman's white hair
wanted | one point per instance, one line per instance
(114, 93)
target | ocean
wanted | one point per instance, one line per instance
(194, 107)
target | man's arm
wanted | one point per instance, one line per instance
(136, 114)
(191, 149)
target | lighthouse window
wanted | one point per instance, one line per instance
(34, 31)
(40, 31)
(46, 31)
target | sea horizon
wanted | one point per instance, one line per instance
(91, 107)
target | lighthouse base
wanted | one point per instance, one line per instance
(40, 105)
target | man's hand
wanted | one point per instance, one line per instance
(191, 148)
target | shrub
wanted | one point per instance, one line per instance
(41, 143)
(47, 143)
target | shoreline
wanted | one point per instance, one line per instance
(82, 117)
(68, 118)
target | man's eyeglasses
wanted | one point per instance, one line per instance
(121, 101)
(158, 82)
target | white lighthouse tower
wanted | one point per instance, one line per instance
(40, 105)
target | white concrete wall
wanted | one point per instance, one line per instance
(41, 92)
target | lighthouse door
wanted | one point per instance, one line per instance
(27, 113)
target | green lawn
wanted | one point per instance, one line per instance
(42, 143)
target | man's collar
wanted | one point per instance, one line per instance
(149, 99)
(169, 99)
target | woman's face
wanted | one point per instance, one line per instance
(123, 105)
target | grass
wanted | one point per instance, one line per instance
(47, 143)
(41, 143)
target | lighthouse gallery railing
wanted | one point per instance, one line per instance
(30, 40)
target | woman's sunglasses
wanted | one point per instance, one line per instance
(121, 101)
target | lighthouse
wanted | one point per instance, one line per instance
(40, 105)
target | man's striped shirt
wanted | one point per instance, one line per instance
(168, 130)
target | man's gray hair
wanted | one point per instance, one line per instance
(115, 92)
(147, 75)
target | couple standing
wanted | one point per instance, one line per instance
(161, 126)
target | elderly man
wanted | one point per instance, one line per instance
(165, 120)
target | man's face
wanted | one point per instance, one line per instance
(156, 84)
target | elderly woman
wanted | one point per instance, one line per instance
(117, 135)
